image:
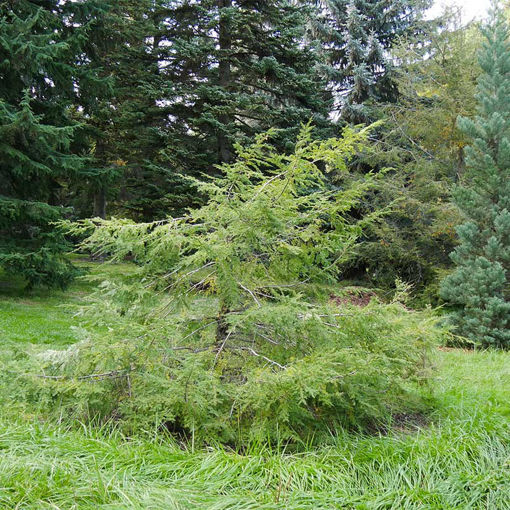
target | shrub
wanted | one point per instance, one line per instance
(350, 367)
(225, 332)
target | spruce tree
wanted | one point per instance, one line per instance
(236, 68)
(187, 81)
(128, 172)
(360, 35)
(121, 101)
(36, 89)
(479, 287)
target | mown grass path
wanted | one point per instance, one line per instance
(460, 460)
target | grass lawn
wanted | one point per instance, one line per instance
(459, 460)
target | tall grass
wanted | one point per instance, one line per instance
(460, 460)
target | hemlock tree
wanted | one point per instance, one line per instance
(35, 137)
(480, 286)
(226, 331)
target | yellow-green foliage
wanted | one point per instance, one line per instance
(328, 367)
(223, 332)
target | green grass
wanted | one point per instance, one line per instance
(459, 460)
(43, 316)
(35, 317)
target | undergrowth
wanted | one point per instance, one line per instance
(458, 458)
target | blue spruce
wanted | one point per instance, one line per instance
(479, 287)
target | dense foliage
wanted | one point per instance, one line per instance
(36, 133)
(422, 143)
(461, 450)
(188, 79)
(479, 286)
(226, 330)
(175, 137)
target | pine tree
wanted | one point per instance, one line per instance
(36, 89)
(95, 110)
(479, 287)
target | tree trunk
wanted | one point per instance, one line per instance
(224, 76)
(99, 192)
(100, 203)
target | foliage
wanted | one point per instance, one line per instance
(352, 378)
(479, 287)
(36, 133)
(360, 35)
(223, 332)
(175, 84)
(227, 324)
(238, 68)
(455, 457)
(420, 140)
(124, 111)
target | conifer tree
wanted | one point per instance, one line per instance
(479, 287)
(361, 32)
(36, 89)
(123, 103)
(226, 327)
(188, 80)
(235, 68)
(125, 125)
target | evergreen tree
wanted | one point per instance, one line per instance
(479, 287)
(423, 145)
(187, 81)
(240, 340)
(36, 90)
(234, 69)
(361, 33)
(125, 124)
